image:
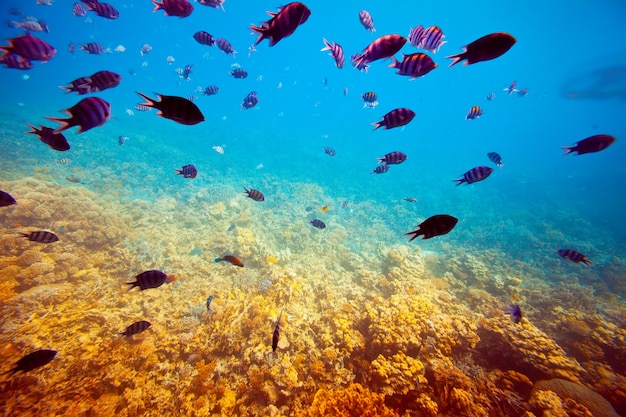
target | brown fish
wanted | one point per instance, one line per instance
(484, 49)
(595, 143)
(437, 225)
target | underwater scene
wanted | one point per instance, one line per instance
(242, 208)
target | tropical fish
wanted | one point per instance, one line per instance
(15, 62)
(411, 199)
(238, 73)
(145, 49)
(395, 118)
(495, 158)
(256, 195)
(75, 180)
(208, 304)
(511, 88)
(416, 35)
(204, 38)
(55, 141)
(345, 204)
(170, 60)
(33, 360)
(175, 108)
(122, 140)
(329, 151)
(336, 51)
(474, 175)
(90, 112)
(80, 85)
(79, 10)
(213, 3)
(432, 39)
(490, 96)
(219, 149)
(41, 236)
(141, 107)
(63, 161)
(370, 99)
(250, 100)
(484, 49)
(6, 199)
(187, 171)
(366, 20)
(185, 73)
(318, 224)
(573, 256)
(324, 209)
(522, 92)
(103, 9)
(283, 23)
(30, 48)
(380, 169)
(474, 113)
(151, 279)
(396, 157)
(230, 259)
(595, 143)
(103, 80)
(384, 47)
(92, 48)
(211, 90)
(180, 8)
(437, 225)
(136, 328)
(225, 46)
(515, 312)
(413, 65)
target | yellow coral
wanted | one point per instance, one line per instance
(351, 401)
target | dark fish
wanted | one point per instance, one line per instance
(283, 23)
(225, 46)
(231, 227)
(230, 259)
(573, 256)
(90, 112)
(15, 11)
(187, 171)
(396, 157)
(308, 208)
(495, 158)
(79, 10)
(30, 48)
(256, 195)
(136, 328)
(103, 80)
(336, 51)
(208, 303)
(33, 360)
(122, 140)
(383, 47)
(180, 8)
(55, 141)
(80, 85)
(395, 118)
(595, 143)
(437, 225)
(75, 180)
(474, 175)
(238, 73)
(211, 90)
(250, 100)
(276, 333)
(413, 65)
(41, 236)
(6, 199)
(474, 113)
(432, 39)
(411, 199)
(369, 97)
(511, 88)
(345, 204)
(151, 279)
(318, 224)
(213, 3)
(104, 10)
(175, 108)
(366, 20)
(515, 312)
(15, 62)
(484, 49)
(329, 151)
(71, 47)
(204, 38)
(185, 73)
(522, 92)
(93, 48)
(380, 169)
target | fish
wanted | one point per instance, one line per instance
(30, 48)
(151, 279)
(136, 328)
(192, 97)
(573, 256)
(230, 259)
(251, 50)
(75, 180)
(380, 169)
(490, 96)
(250, 100)
(495, 158)
(180, 8)
(276, 333)
(16, 62)
(345, 204)
(345, 91)
(256, 195)
(120, 49)
(522, 92)
(6, 199)
(395, 118)
(41, 236)
(414, 65)
(216, 4)
(416, 35)
(211, 90)
(595, 143)
(238, 73)
(175, 108)
(103, 80)
(318, 224)
(511, 88)
(88, 113)
(33, 361)
(93, 48)
(208, 304)
(80, 85)
(370, 99)
(437, 225)
(121, 140)
(432, 39)
(336, 52)
(324, 209)
(395, 157)
(187, 171)
(231, 227)
(103, 10)
(474, 113)
(474, 175)
(225, 47)
(79, 10)
(185, 73)
(141, 107)
(55, 141)
(384, 47)
(63, 161)
(484, 49)
(366, 20)
(329, 151)
(283, 23)
(204, 38)
(411, 199)
(219, 149)
(515, 312)
(45, 2)
(170, 60)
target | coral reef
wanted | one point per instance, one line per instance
(570, 396)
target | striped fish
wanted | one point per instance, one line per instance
(90, 112)
(79, 10)
(437, 225)
(238, 73)
(33, 360)
(15, 62)
(225, 46)
(103, 80)
(30, 48)
(141, 107)
(63, 161)
(495, 158)
(151, 279)
(80, 85)
(336, 51)
(413, 65)
(383, 47)
(276, 333)
(180, 8)
(41, 236)
(256, 195)
(187, 171)
(380, 169)
(395, 118)
(329, 151)
(211, 90)
(55, 141)
(250, 100)
(573, 256)
(366, 20)
(416, 35)
(283, 23)
(93, 48)
(474, 175)
(204, 38)
(208, 304)
(432, 39)
(474, 113)
(216, 4)
(219, 149)
(318, 224)
(396, 157)
(136, 328)
(104, 10)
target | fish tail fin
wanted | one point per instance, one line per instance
(157, 5)
(261, 30)
(413, 234)
(178, 171)
(327, 46)
(587, 262)
(149, 101)
(459, 181)
(132, 285)
(24, 234)
(456, 58)
(65, 123)
(568, 149)
(216, 260)
(377, 125)
(34, 129)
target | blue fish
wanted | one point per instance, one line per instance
(515, 312)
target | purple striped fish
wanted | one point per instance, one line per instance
(573, 256)
(187, 171)
(90, 112)
(595, 143)
(484, 49)
(474, 113)
(41, 236)
(33, 360)
(336, 51)
(366, 20)
(175, 108)
(396, 157)
(250, 100)
(79, 10)
(80, 85)
(136, 328)
(432, 39)
(413, 65)
(180, 8)
(15, 62)
(395, 118)
(276, 333)
(93, 48)
(225, 46)
(104, 10)
(436, 225)
(283, 23)
(204, 38)
(380, 169)
(213, 3)
(474, 175)
(151, 279)
(256, 195)
(383, 47)
(55, 141)
(211, 90)
(103, 80)
(238, 73)
(416, 35)
(30, 48)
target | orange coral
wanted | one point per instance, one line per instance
(353, 400)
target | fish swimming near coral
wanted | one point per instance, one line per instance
(230, 259)
(151, 279)
(41, 236)
(55, 141)
(437, 225)
(6, 199)
(208, 304)
(136, 328)
(515, 312)
(175, 108)
(33, 360)
(411, 199)
(318, 224)
(324, 209)
(573, 256)
(187, 171)
(256, 195)
(276, 334)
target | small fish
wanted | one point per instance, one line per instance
(380, 169)
(192, 97)
(324, 209)
(79, 10)
(595, 143)
(136, 328)
(41, 236)
(63, 161)
(495, 158)
(370, 99)
(211, 90)
(187, 171)
(318, 224)
(490, 96)
(122, 140)
(437, 225)
(120, 49)
(511, 88)
(6, 199)
(276, 333)
(396, 157)
(151, 279)
(208, 304)
(92, 48)
(271, 259)
(515, 312)
(102, 9)
(130, 112)
(411, 199)
(204, 38)
(90, 112)
(231, 227)
(432, 39)
(180, 8)
(573, 256)
(366, 20)
(416, 36)
(345, 91)
(336, 52)
(251, 50)
(329, 151)
(218, 149)
(474, 175)
(522, 92)
(170, 60)
(75, 180)
(141, 107)
(345, 204)
(250, 100)
(230, 259)
(216, 4)
(256, 195)
(395, 118)
(384, 47)
(238, 73)
(226, 47)
(474, 113)
(145, 49)
(33, 360)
